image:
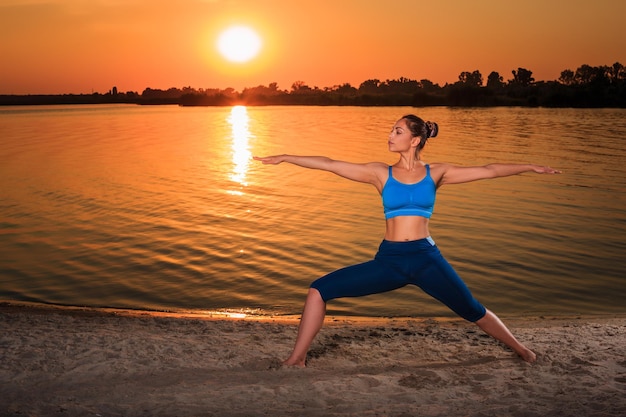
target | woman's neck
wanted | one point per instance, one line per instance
(409, 162)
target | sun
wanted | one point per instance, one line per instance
(239, 44)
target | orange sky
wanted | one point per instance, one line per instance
(84, 46)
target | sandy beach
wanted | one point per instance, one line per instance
(87, 362)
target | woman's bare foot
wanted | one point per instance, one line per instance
(528, 355)
(295, 363)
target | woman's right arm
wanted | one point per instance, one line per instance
(370, 173)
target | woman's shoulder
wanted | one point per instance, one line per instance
(439, 166)
(381, 173)
(438, 169)
(378, 166)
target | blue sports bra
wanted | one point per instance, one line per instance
(401, 199)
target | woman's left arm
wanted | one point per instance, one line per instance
(453, 174)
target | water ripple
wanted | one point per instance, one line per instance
(140, 207)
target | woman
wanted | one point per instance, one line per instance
(407, 255)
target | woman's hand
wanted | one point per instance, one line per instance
(545, 170)
(270, 160)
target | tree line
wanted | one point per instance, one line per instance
(588, 86)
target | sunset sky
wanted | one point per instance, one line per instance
(84, 46)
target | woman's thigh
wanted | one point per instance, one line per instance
(367, 278)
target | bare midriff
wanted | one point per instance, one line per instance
(406, 228)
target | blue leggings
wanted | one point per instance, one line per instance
(398, 264)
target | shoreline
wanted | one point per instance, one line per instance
(78, 361)
(42, 308)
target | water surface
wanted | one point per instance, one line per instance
(163, 208)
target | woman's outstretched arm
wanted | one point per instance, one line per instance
(368, 173)
(453, 174)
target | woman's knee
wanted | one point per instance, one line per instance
(314, 296)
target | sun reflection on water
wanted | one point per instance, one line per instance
(238, 120)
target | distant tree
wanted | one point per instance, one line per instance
(473, 79)
(210, 91)
(345, 89)
(369, 86)
(262, 95)
(468, 91)
(567, 77)
(495, 81)
(522, 77)
(273, 87)
(586, 75)
(400, 86)
(617, 73)
(261, 90)
(229, 92)
(428, 86)
(300, 87)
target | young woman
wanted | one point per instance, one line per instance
(407, 255)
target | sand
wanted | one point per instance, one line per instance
(86, 362)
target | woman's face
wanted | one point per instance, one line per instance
(400, 138)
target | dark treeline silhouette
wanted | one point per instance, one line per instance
(603, 86)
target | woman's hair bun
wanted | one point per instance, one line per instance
(432, 129)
